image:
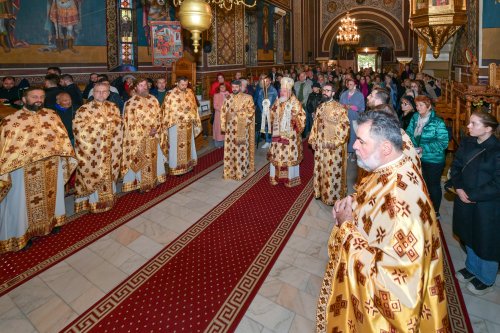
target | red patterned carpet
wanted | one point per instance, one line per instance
(18, 267)
(207, 277)
(459, 317)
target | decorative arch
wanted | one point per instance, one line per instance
(364, 14)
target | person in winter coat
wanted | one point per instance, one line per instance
(406, 110)
(429, 135)
(312, 103)
(475, 175)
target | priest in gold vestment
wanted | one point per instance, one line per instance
(328, 138)
(287, 120)
(144, 142)
(181, 119)
(36, 160)
(385, 272)
(98, 147)
(238, 123)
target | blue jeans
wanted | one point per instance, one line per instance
(484, 270)
(257, 135)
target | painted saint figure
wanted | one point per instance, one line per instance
(65, 16)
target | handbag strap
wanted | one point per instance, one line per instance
(472, 158)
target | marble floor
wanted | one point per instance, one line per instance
(286, 302)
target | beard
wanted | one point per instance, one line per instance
(235, 92)
(34, 107)
(371, 163)
(283, 99)
(325, 98)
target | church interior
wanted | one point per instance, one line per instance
(103, 272)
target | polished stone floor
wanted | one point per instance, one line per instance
(286, 302)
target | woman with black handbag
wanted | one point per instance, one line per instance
(475, 175)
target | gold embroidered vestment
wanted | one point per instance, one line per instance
(286, 145)
(385, 271)
(141, 115)
(37, 142)
(180, 109)
(238, 123)
(98, 148)
(328, 138)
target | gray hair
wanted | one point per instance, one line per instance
(382, 95)
(384, 126)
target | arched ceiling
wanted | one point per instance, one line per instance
(374, 21)
(373, 35)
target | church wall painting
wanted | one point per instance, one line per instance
(490, 32)
(147, 13)
(166, 42)
(52, 31)
(265, 47)
(287, 49)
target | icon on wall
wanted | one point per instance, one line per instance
(166, 42)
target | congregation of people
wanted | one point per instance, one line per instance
(379, 158)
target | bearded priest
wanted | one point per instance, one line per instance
(180, 117)
(385, 269)
(36, 160)
(287, 120)
(144, 142)
(238, 123)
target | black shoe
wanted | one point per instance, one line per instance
(56, 230)
(438, 216)
(478, 288)
(27, 246)
(464, 275)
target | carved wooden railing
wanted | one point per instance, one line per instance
(459, 100)
(494, 75)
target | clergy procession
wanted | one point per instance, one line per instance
(249, 166)
(138, 149)
(386, 255)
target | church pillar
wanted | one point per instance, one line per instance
(121, 23)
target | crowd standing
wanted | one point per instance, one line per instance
(380, 123)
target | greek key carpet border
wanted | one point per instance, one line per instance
(457, 313)
(228, 311)
(19, 279)
(135, 281)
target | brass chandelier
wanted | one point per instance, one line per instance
(196, 15)
(226, 4)
(348, 31)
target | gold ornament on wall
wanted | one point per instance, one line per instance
(436, 21)
(196, 15)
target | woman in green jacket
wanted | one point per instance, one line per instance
(430, 137)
